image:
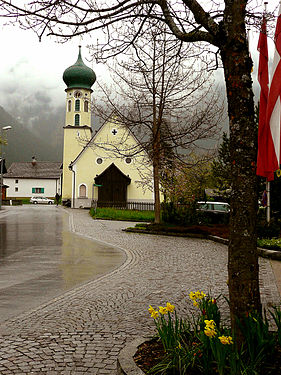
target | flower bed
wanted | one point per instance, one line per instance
(203, 345)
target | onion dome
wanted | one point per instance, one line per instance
(79, 75)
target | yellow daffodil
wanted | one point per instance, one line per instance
(151, 309)
(199, 295)
(210, 332)
(226, 340)
(192, 296)
(210, 324)
(163, 310)
(202, 295)
(170, 307)
(196, 304)
(154, 314)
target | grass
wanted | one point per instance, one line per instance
(25, 200)
(272, 243)
(125, 215)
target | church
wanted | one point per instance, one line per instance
(105, 167)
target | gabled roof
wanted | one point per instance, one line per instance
(91, 141)
(38, 169)
(109, 169)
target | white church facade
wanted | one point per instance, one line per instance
(100, 168)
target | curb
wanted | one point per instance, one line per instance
(265, 253)
(125, 362)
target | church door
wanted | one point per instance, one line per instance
(113, 187)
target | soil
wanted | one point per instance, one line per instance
(149, 354)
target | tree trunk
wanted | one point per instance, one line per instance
(156, 179)
(243, 267)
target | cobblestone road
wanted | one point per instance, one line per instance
(82, 331)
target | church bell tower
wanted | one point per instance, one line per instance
(79, 79)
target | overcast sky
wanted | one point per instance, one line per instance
(31, 71)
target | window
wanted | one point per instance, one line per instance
(128, 160)
(16, 181)
(16, 189)
(99, 160)
(86, 106)
(77, 105)
(69, 106)
(82, 191)
(77, 94)
(77, 120)
(38, 190)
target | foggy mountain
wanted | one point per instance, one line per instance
(42, 137)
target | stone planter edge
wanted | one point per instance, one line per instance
(125, 362)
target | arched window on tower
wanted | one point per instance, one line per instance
(77, 120)
(77, 105)
(69, 106)
(86, 106)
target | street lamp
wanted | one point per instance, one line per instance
(5, 128)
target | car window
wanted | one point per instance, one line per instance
(221, 207)
(203, 206)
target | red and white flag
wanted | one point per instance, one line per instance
(263, 81)
(273, 111)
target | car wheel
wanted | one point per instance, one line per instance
(49, 202)
(35, 202)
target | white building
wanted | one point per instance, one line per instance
(35, 178)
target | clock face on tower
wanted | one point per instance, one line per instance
(77, 94)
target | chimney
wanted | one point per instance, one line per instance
(33, 161)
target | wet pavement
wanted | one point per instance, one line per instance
(83, 330)
(40, 258)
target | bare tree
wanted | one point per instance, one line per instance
(160, 96)
(219, 24)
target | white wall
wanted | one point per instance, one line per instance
(25, 185)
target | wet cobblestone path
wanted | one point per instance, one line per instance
(83, 330)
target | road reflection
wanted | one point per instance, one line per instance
(40, 258)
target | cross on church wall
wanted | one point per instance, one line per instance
(114, 132)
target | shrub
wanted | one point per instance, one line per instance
(181, 214)
(268, 230)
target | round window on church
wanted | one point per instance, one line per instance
(128, 160)
(99, 160)
(77, 94)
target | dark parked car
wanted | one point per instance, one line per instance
(214, 212)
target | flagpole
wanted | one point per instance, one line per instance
(267, 183)
(267, 188)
